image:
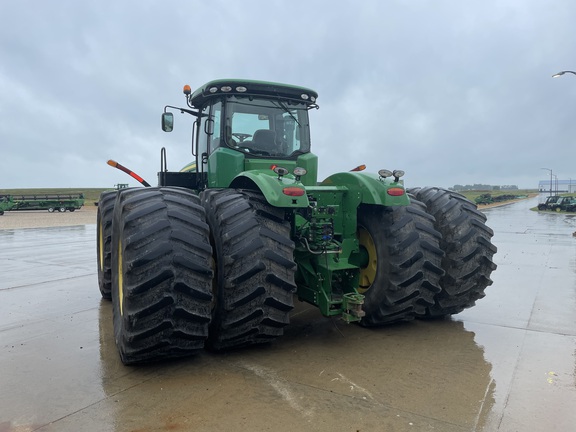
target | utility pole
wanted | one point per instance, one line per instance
(550, 179)
(556, 75)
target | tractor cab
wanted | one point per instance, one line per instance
(256, 127)
(246, 126)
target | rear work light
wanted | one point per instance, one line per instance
(395, 191)
(293, 191)
(281, 171)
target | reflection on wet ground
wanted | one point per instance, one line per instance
(507, 364)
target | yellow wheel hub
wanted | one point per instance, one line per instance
(368, 272)
(101, 245)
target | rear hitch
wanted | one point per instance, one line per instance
(352, 307)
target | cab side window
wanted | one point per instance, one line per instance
(209, 131)
(216, 117)
(203, 137)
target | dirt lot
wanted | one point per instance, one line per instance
(42, 219)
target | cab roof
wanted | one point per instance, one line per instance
(254, 88)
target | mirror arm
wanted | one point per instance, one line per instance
(182, 110)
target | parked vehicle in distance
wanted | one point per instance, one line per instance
(566, 204)
(6, 203)
(551, 200)
(50, 202)
(558, 203)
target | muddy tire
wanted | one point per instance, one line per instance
(255, 270)
(103, 241)
(161, 274)
(466, 242)
(404, 262)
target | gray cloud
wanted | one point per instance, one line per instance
(451, 92)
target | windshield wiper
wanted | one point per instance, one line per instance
(285, 108)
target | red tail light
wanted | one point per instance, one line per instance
(293, 191)
(395, 191)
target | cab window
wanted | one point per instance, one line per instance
(266, 127)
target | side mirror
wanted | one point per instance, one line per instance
(167, 121)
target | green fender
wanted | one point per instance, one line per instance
(371, 188)
(273, 188)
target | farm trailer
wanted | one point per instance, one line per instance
(50, 202)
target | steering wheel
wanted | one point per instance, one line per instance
(241, 136)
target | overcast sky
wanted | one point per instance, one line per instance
(451, 91)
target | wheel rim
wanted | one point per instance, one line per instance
(368, 271)
(120, 280)
(101, 247)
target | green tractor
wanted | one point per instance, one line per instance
(484, 199)
(6, 203)
(217, 253)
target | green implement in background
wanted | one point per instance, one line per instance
(6, 203)
(50, 202)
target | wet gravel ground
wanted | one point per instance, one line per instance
(506, 365)
(44, 219)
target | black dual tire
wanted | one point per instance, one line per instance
(404, 262)
(103, 241)
(161, 274)
(466, 241)
(254, 281)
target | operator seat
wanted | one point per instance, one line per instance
(264, 139)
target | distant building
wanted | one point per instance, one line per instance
(560, 186)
